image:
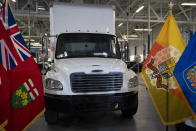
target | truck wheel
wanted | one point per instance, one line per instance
(130, 107)
(128, 112)
(51, 117)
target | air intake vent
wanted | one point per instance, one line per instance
(97, 70)
(81, 82)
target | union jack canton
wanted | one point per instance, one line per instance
(13, 49)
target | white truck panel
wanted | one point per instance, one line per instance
(81, 18)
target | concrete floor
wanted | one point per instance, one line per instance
(146, 119)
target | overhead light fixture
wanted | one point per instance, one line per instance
(188, 4)
(132, 39)
(119, 25)
(36, 44)
(133, 36)
(14, 0)
(32, 40)
(139, 9)
(41, 8)
(120, 40)
(143, 29)
(130, 36)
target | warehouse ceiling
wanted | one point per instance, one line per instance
(36, 14)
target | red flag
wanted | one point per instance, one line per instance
(27, 94)
(4, 99)
(26, 88)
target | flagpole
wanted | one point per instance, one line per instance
(167, 105)
(149, 26)
(167, 88)
(29, 26)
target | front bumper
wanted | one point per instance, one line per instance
(103, 102)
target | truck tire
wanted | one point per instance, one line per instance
(51, 117)
(129, 112)
(130, 107)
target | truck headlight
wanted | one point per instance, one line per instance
(133, 82)
(52, 84)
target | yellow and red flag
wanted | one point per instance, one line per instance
(157, 73)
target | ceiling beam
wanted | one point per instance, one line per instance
(44, 14)
(155, 13)
(153, 21)
(184, 12)
(119, 6)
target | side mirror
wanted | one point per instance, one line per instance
(118, 53)
(126, 47)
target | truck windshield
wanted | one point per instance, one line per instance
(85, 45)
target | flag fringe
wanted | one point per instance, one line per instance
(156, 108)
(41, 113)
(2, 126)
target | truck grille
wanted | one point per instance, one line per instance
(81, 82)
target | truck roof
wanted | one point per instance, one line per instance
(86, 33)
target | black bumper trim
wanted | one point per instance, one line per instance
(103, 102)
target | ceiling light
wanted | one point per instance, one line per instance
(41, 8)
(188, 4)
(129, 36)
(120, 24)
(131, 39)
(120, 40)
(139, 9)
(14, 0)
(31, 40)
(133, 36)
(35, 44)
(143, 29)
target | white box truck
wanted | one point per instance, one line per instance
(88, 73)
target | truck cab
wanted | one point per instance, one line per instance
(88, 73)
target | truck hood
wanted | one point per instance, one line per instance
(88, 65)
